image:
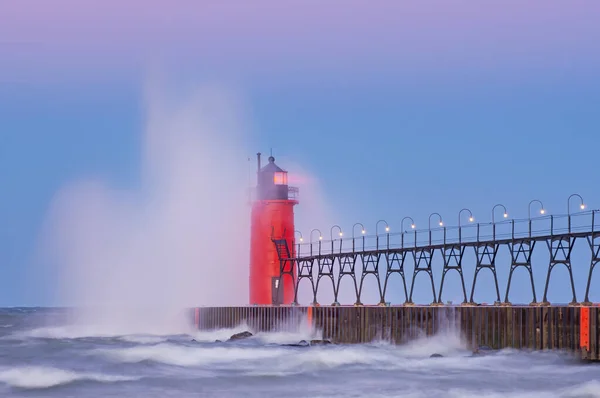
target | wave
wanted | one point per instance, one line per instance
(210, 336)
(447, 344)
(177, 355)
(143, 339)
(289, 337)
(77, 332)
(410, 357)
(32, 377)
(59, 332)
(284, 360)
(589, 389)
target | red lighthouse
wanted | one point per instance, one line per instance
(272, 218)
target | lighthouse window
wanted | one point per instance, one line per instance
(280, 178)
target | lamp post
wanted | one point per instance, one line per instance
(412, 225)
(542, 211)
(301, 240)
(505, 215)
(387, 230)
(331, 235)
(311, 240)
(362, 231)
(494, 208)
(441, 222)
(459, 227)
(581, 206)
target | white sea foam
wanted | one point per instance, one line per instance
(177, 355)
(210, 336)
(290, 335)
(285, 360)
(590, 389)
(36, 377)
(448, 343)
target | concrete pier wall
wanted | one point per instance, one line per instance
(573, 329)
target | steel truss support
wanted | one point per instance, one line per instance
(422, 259)
(560, 253)
(520, 253)
(347, 264)
(453, 256)
(594, 242)
(370, 266)
(305, 271)
(486, 259)
(326, 265)
(395, 264)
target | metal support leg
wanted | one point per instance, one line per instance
(422, 259)
(326, 266)
(395, 264)
(305, 271)
(520, 252)
(453, 256)
(370, 266)
(594, 242)
(347, 268)
(486, 259)
(560, 253)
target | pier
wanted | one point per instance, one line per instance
(282, 261)
(540, 325)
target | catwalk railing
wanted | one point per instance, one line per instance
(387, 254)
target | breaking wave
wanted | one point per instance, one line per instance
(171, 354)
(34, 377)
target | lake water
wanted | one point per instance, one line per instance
(42, 355)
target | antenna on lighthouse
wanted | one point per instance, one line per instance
(249, 181)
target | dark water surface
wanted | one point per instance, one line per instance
(42, 356)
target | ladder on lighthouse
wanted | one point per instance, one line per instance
(286, 266)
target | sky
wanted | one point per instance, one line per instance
(377, 111)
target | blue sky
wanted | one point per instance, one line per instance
(382, 140)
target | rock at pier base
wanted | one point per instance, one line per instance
(320, 342)
(240, 336)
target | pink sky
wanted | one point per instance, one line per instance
(263, 35)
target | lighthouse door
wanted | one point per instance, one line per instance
(276, 290)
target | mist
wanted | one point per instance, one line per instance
(133, 260)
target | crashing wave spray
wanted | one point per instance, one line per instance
(132, 261)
